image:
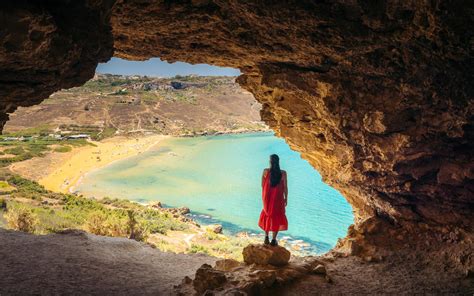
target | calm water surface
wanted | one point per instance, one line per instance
(218, 178)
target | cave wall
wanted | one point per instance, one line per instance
(377, 97)
(49, 45)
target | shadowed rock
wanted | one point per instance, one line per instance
(208, 278)
(227, 264)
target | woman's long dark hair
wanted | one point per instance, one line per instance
(275, 172)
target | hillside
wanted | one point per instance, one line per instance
(115, 104)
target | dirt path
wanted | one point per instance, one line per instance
(188, 239)
(84, 264)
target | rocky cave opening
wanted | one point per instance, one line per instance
(377, 97)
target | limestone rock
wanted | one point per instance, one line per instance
(156, 205)
(184, 210)
(264, 254)
(320, 269)
(208, 278)
(227, 264)
(216, 228)
(267, 277)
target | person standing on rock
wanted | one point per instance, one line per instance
(275, 199)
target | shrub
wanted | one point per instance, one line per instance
(211, 235)
(138, 229)
(3, 204)
(96, 223)
(21, 218)
(163, 245)
(26, 185)
(116, 226)
(5, 187)
(198, 249)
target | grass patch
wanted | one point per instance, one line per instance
(110, 217)
(5, 187)
(63, 149)
(34, 147)
(42, 130)
(195, 248)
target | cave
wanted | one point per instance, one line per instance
(377, 96)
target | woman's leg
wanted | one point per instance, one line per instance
(275, 233)
(267, 241)
(274, 236)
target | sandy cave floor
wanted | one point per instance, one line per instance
(78, 263)
(81, 263)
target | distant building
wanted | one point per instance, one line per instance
(177, 85)
(55, 136)
(11, 139)
(76, 137)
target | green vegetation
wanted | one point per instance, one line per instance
(35, 142)
(40, 130)
(62, 149)
(34, 209)
(198, 249)
(21, 218)
(16, 149)
(105, 133)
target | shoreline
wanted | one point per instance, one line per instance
(61, 172)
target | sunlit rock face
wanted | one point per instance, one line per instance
(378, 98)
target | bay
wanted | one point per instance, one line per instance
(219, 179)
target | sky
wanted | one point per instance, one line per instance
(159, 68)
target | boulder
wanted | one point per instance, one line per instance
(207, 278)
(227, 264)
(156, 205)
(264, 254)
(184, 211)
(216, 228)
(320, 269)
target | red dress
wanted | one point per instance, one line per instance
(273, 216)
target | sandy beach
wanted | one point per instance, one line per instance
(60, 172)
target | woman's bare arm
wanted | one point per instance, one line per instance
(263, 176)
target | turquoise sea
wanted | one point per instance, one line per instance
(218, 178)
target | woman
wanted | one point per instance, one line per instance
(275, 199)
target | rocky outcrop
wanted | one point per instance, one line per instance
(208, 278)
(266, 255)
(216, 228)
(259, 275)
(377, 96)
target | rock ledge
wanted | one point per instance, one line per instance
(266, 255)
